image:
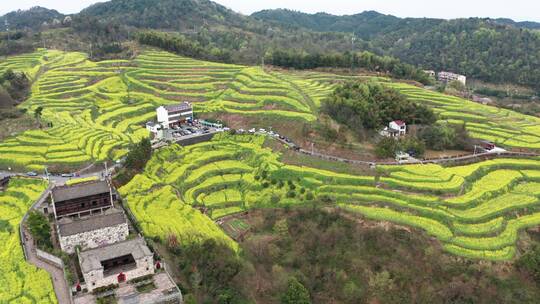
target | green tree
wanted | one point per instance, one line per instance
(139, 154)
(370, 105)
(530, 262)
(386, 148)
(296, 293)
(39, 227)
(37, 113)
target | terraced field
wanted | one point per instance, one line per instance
(98, 108)
(20, 282)
(498, 125)
(475, 211)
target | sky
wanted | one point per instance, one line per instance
(519, 10)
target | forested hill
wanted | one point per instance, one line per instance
(498, 50)
(365, 24)
(30, 19)
(179, 15)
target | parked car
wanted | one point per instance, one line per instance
(66, 175)
(252, 131)
(31, 173)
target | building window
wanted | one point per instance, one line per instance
(94, 203)
(93, 283)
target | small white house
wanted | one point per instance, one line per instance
(153, 127)
(395, 128)
(171, 115)
(448, 77)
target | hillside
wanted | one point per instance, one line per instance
(485, 49)
(95, 110)
(495, 50)
(99, 108)
(183, 15)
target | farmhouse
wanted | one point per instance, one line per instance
(81, 199)
(116, 263)
(92, 231)
(172, 115)
(395, 128)
(448, 77)
(430, 73)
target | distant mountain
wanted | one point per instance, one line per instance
(366, 25)
(32, 18)
(495, 50)
(523, 24)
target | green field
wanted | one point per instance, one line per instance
(475, 211)
(19, 281)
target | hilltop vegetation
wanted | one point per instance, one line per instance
(370, 106)
(479, 48)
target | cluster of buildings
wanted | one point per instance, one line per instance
(447, 76)
(89, 224)
(171, 116)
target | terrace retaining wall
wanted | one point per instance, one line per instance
(49, 258)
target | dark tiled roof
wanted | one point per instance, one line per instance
(109, 218)
(91, 259)
(64, 193)
(184, 106)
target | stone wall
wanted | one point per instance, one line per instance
(49, 258)
(94, 238)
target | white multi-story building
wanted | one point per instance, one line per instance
(448, 77)
(92, 231)
(171, 115)
(116, 263)
(395, 128)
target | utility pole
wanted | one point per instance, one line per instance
(7, 28)
(353, 39)
(106, 171)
